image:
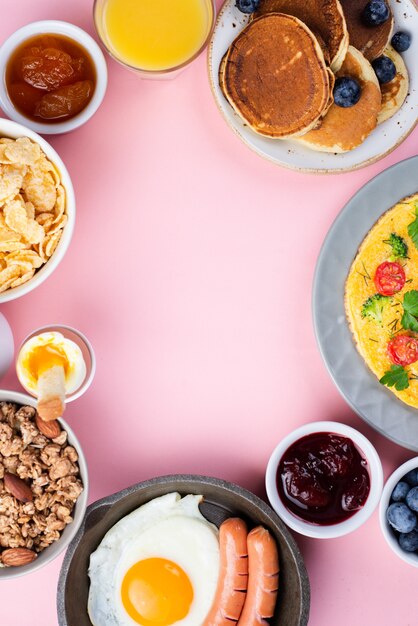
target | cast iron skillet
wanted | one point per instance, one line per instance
(222, 500)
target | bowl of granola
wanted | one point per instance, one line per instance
(43, 486)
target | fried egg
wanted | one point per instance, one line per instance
(157, 566)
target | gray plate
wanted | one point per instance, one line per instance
(222, 500)
(358, 385)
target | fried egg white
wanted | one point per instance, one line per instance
(157, 566)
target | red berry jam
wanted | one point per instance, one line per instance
(323, 479)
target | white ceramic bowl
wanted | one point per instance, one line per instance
(353, 522)
(86, 349)
(388, 533)
(14, 130)
(50, 553)
(6, 345)
(72, 32)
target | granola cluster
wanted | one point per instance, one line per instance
(48, 467)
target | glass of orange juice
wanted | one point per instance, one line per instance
(156, 38)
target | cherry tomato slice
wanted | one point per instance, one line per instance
(403, 350)
(389, 278)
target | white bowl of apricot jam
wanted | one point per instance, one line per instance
(53, 76)
(324, 479)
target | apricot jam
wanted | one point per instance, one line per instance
(323, 478)
(50, 78)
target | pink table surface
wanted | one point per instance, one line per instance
(191, 271)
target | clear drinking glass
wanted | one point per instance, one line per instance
(99, 10)
(86, 350)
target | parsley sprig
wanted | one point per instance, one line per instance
(413, 228)
(396, 377)
(409, 319)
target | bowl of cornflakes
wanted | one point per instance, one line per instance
(37, 210)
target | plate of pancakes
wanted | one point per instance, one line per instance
(356, 351)
(273, 74)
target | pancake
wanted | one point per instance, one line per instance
(325, 19)
(323, 46)
(395, 92)
(331, 82)
(342, 129)
(275, 77)
(370, 40)
(370, 336)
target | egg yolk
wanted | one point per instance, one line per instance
(155, 592)
(42, 358)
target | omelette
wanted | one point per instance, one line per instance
(381, 300)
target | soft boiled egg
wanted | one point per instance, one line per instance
(44, 351)
(157, 566)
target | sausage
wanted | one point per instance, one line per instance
(263, 578)
(233, 574)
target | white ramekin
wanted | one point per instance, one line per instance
(14, 130)
(72, 32)
(388, 533)
(86, 349)
(52, 551)
(357, 519)
(6, 345)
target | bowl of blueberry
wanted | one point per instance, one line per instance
(399, 511)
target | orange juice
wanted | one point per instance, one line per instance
(156, 35)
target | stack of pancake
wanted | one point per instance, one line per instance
(279, 72)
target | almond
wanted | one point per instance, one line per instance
(17, 487)
(18, 556)
(50, 429)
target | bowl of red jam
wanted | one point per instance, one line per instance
(324, 479)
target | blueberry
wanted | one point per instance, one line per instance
(400, 491)
(247, 6)
(409, 541)
(412, 499)
(375, 12)
(401, 41)
(401, 518)
(385, 69)
(411, 477)
(347, 92)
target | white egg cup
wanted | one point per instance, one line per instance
(86, 349)
(6, 346)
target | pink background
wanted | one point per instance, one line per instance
(191, 271)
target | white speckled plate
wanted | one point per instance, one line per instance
(290, 154)
(359, 386)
